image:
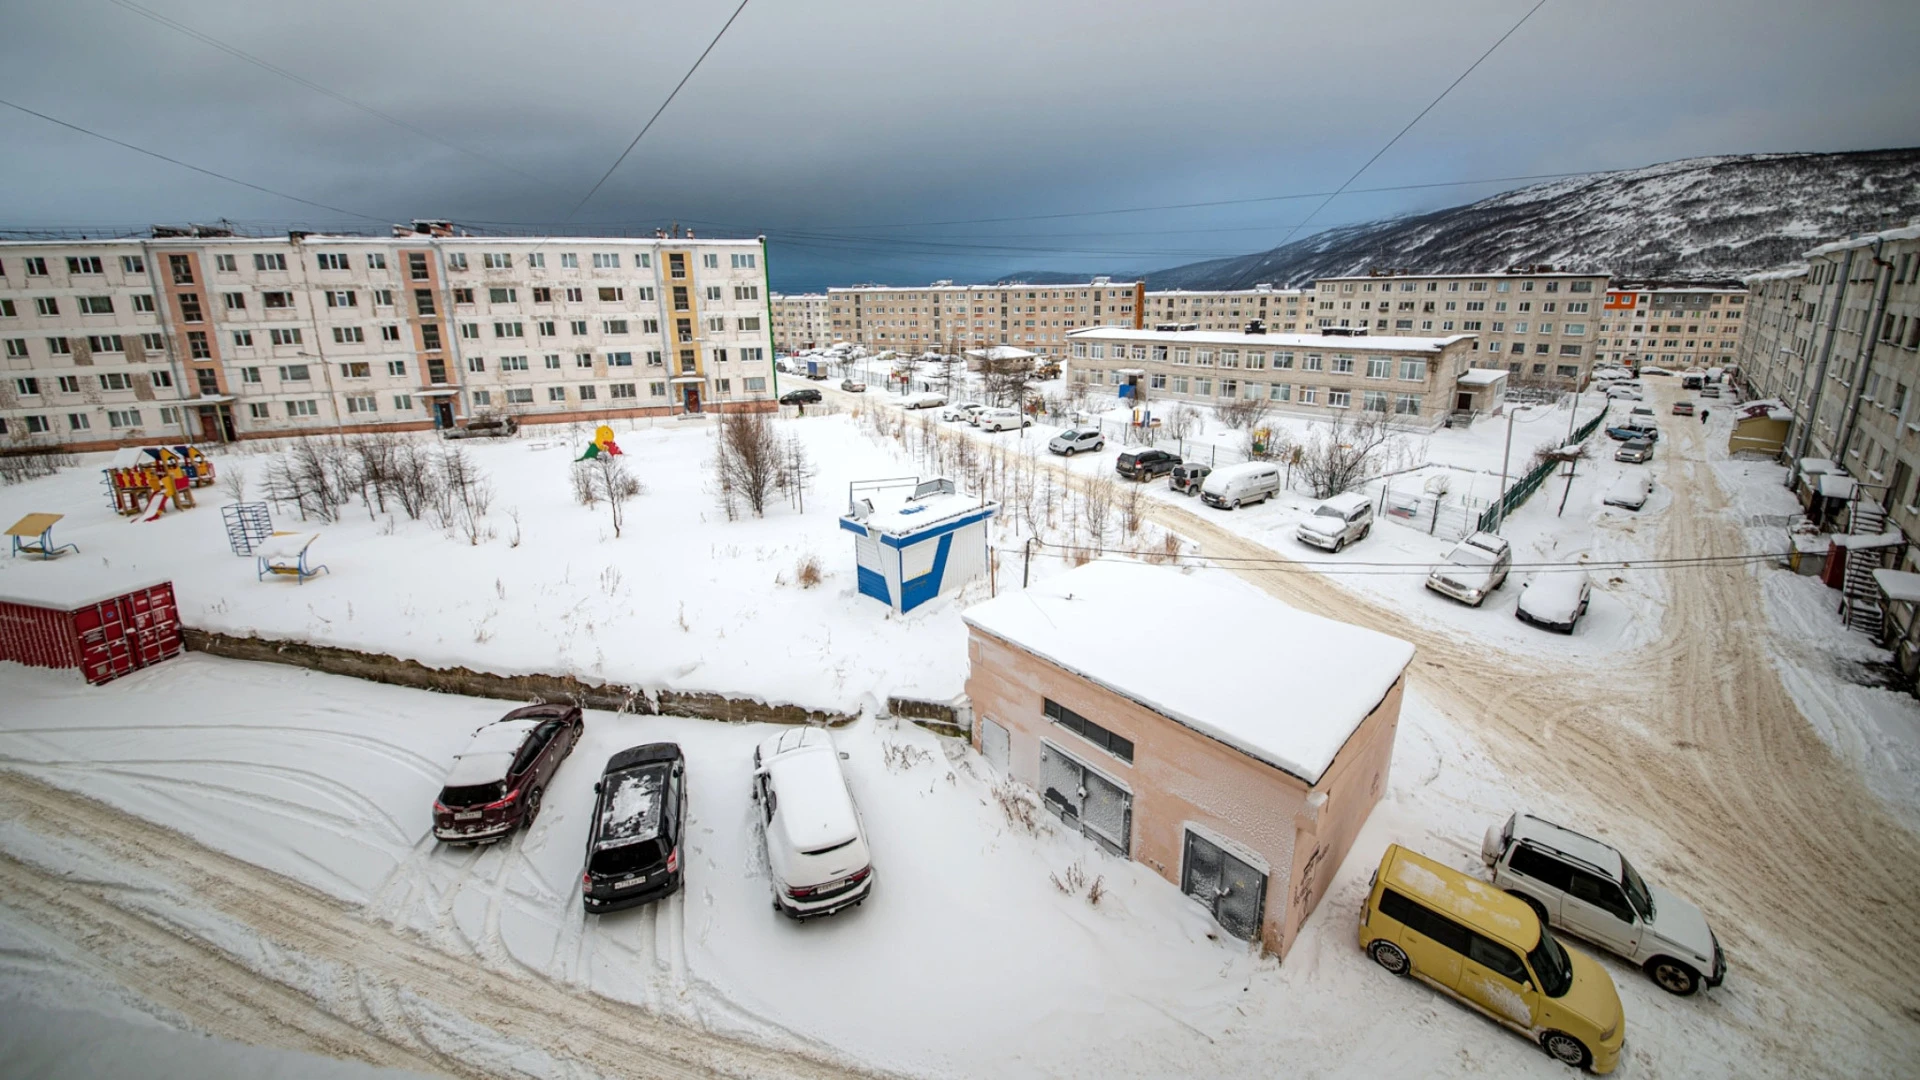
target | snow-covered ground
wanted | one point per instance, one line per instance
(967, 961)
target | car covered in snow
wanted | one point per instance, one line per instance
(1588, 889)
(1188, 476)
(1635, 451)
(633, 838)
(1001, 419)
(497, 783)
(1625, 391)
(1555, 600)
(1424, 919)
(926, 399)
(1344, 519)
(1474, 568)
(1076, 440)
(1630, 492)
(816, 846)
(1145, 462)
(965, 411)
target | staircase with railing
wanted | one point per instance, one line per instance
(1860, 606)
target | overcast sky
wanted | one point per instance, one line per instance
(817, 122)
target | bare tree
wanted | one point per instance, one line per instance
(466, 494)
(796, 472)
(606, 479)
(949, 369)
(1345, 452)
(1006, 378)
(1244, 413)
(1181, 421)
(747, 459)
(233, 481)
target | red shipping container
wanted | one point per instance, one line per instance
(104, 636)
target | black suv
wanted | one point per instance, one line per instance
(806, 395)
(1145, 463)
(633, 841)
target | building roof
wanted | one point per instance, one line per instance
(1337, 343)
(1002, 352)
(1910, 231)
(1899, 585)
(981, 288)
(1515, 274)
(896, 512)
(1276, 683)
(1795, 270)
(1484, 376)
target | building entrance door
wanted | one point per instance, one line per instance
(443, 413)
(1084, 799)
(693, 399)
(1235, 892)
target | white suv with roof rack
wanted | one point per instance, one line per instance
(816, 848)
(1586, 888)
(1473, 569)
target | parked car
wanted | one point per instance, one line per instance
(1555, 601)
(1710, 390)
(1636, 451)
(1188, 476)
(1228, 486)
(961, 412)
(1001, 419)
(924, 400)
(1474, 568)
(806, 395)
(1692, 380)
(1076, 440)
(1588, 889)
(1145, 462)
(1639, 412)
(1623, 390)
(1630, 491)
(633, 838)
(1344, 519)
(483, 427)
(1634, 429)
(816, 849)
(1683, 408)
(1490, 950)
(853, 386)
(497, 782)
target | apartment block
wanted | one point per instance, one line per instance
(1539, 324)
(1285, 310)
(1671, 324)
(943, 315)
(800, 321)
(201, 335)
(1776, 334)
(1414, 380)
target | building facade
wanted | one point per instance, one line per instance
(1541, 325)
(204, 336)
(1282, 310)
(1776, 334)
(1414, 380)
(1671, 324)
(948, 317)
(800, 321)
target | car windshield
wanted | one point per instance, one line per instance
(1550, 964)
(1328, 511)
(1468, 555)
(1637, 893)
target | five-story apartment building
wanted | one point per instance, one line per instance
(943, 315)
(1671, 324)
(800, 321)
(1281, 310)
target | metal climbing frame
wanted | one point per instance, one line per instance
(247, 525)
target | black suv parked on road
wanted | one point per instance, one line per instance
(1145, 463)
(633, 840)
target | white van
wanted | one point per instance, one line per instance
(1001, 419)
(1231, 485)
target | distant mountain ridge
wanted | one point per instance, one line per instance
(1707, 217)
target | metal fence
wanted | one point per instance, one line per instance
(1449, 516)
(1530, 483)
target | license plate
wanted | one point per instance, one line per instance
(467, 815)
(641, 880)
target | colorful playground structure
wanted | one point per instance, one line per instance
(602, 444)
(33, 535)
(142, 479)
(284, 554)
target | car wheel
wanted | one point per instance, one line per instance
(1235, 505)
(1389, 956)
(1364, 533)
(1673, 976)
(533, 809)
(1339, 545)
(1192, 491)
(1566, 1049)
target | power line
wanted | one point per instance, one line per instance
(661, 109)
(1423, 112)
(185, 165)
(1357, 568)
(299, 80)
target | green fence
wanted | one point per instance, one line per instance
(1530, 483)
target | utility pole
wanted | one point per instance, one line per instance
(1501, 521)
(1026, 553)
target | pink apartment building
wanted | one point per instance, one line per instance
(1188, 721)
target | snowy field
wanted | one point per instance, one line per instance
(967, 961)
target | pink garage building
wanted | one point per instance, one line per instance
(1188, 721)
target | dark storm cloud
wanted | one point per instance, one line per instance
(815, 122)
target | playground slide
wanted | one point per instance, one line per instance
(156, 506)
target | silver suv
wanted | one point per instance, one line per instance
(1586, 888)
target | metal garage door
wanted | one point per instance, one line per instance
(1086, 800)
(1235, 892)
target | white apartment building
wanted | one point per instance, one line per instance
(201, 335)
(1671, 324)
(1281, 310)
(1414, 380)
(800, 321)
(945, 316)
(1539, 324)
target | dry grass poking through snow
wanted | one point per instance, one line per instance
(807, 573)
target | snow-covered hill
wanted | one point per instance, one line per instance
(1698, 217)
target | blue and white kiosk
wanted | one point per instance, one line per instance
(915, 539)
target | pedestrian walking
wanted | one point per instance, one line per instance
(1703, 416)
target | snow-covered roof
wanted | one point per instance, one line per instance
(1819, 465)
(1512, 274)
(1318, 678)
(1898, 585)
(951, 288)
(896, 512)
(1796, 270)
(1482, 376)
(487, 758)
(1910, 231)
(1890, 538)
(1836, 486)
(1332, 343)
(67, 585)
(1560, 838)
(1002, 352)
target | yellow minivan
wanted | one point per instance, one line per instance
(1489, 949)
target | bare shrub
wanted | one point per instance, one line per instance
(1097, 890)
(795, 473)
(1244, 413)
(747, 460)
(1182, 421)
(1344, 453)
(605, 479)
(1018, 806)
(1133, 508)
(233, 481)
(466, 494)
(900, 757)
(808, 572)
(415, 482)
(1071, 880)
(1096, 506)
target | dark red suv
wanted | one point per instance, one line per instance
(497, 781)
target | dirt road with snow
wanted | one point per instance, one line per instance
(263, 960)
(1693, 755)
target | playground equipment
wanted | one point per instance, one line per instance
(602, 444)
(247, 525)
(40, 525)
(285, 554)
(142, 479)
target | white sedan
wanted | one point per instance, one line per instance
(925, 400)
(1555, 600)
(1630, 491)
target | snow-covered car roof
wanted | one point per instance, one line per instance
(815, 809)
(1559, 838)
(1553, 597)
(1634, 488)
(488, 757)
(1227, 474)
(1346, 502)
(632, 808)
(1319, 678)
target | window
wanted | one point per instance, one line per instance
(133, 264)
(303, 408)
(430, 336)
(37, 267)
(69, 384)
(294, 373)
(143, 302)
(680, 301)
(712, 292)
(197, 346)
(274, 261)
(257, 410)
(710, 260)
(1531, 862)
(552, 361)
(745, 292)
(513, 363)
(745, 262)
(104, 343)
(356, 369)
(376, 261)
(1374, 401)
(116, 380)
(1406, 404)
(287, 336)
(476, 364)
(59, 346)
(349, 335)
(37, 425)
(1379, 367)
(1427, 923)
(27, 387)
(613, 326)
(752, 323)
(417, 266)
(543, 295)
(403, 403)
(1567, 371)
(619, 359)
(1339, 399)
(1280, 392)
(78, 421)
(330, 261)
(250, 375)
(556, 393)
(463, 296)
(1203, 387)
(589, 393)
(569, 261)
(1601, 893)
(1116, 745)
(1413, 371)
(234, 301)
(653, 358)
(620, 390)
(481, 397)
(537, 260)
(756, 384)
(577, 327)
(470, 331)
(716, 324)
(84, 264)
(508, 330)
(502, 296)
(361, 403)
(1283, 361)
(497, 260)
(1496, 958)
(606, 260)
(274, 299)
(1313, 362)
(17, 347)
(46, 305)
(457, 261)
